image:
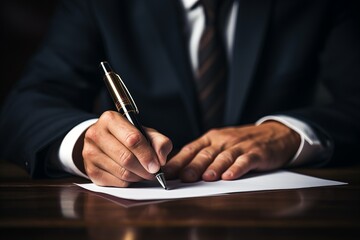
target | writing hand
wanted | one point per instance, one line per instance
(115, 153)
(229, 153)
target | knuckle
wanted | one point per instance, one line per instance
(213, 131)
(124, 174)
(133, 139)
(206, 153)
(125, 158)
(233, 139)
(88, 152)
(255, 145)
(253, 158)
(226, 157)
(91, 134)
(107, 116)
(188, 148)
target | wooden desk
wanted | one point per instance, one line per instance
(56, 209)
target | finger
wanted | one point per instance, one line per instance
(107, 144)
(183, 157)
(132, 139)
(242, 165)
(161, 144)
(221, 163)
(195, 169)
(124, 157)
(106, 179)
(97, 162)
(108, 165)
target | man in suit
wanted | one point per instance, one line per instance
(59, 118)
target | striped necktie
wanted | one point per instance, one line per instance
(212, 69)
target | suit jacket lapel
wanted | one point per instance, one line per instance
(169, 23)
(251, 25)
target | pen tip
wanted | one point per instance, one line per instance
(161, 179)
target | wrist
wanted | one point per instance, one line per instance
(289, 138)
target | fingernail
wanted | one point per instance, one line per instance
(153, 167)
(209, 174)
(228, 174)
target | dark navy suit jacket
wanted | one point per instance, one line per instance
(283, 51)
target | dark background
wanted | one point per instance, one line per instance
(23, 24)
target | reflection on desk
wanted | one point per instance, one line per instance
(57, 209)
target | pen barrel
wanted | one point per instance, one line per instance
(132, 117)
(119, 94)
(122, 100)
(126, 106)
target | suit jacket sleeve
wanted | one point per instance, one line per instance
(337, 121)
(56, 93)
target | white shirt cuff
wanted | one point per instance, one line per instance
(67, 147)
(310, 146)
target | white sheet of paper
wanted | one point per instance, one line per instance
(252, 182)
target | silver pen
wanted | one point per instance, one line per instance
(126, 106)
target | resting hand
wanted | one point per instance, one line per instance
(229, 153)
(115, 153)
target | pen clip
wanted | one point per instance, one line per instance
(132, 102)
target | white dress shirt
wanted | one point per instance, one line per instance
(310, 146)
